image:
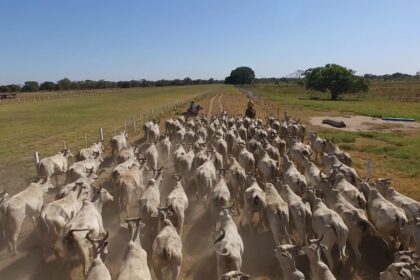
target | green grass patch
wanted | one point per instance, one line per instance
(372, 104)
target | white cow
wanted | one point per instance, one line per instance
(118, 143)
(229, 245)
(89, 219)
(167, 249)
(27, 203)
(98, 270)
(135, 266)
(177, 202)
(91, 152)
(55, 165)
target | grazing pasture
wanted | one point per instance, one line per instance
(44, 125)
(394, 153)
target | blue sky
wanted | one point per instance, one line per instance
(152, 39)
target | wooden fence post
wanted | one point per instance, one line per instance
(369, 168)
(101, 134)
(36, 162)
(86, 142)
(134, 123)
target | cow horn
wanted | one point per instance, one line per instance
(106, 236)
(177, 177)
(230, 206)
(221, 236)
(88, 237)
(136, 219)
(89, 170)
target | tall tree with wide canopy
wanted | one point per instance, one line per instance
(334, 78)
(241, 75)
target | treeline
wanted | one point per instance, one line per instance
(395, 76)
(66, 84)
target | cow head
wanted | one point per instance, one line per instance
(101, 194)
(99, 245)
(67, 153)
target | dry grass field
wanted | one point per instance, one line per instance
(44, 125)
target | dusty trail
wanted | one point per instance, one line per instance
(199, 261)
(219, 100)
(210, 110)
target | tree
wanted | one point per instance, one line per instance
(30, 86)
(14, 88)
(334, 78)
(241, 75)
(48, 86)
(64, 84)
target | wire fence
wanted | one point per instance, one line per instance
(17, 167)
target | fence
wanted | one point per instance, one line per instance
(39, 97)
(132, 124)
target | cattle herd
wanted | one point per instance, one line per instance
(248, 174)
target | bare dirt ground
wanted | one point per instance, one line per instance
(199, 260)
(364, 123)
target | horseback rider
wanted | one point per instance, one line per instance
(250, 111)
(250, 104)
(191, 108)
